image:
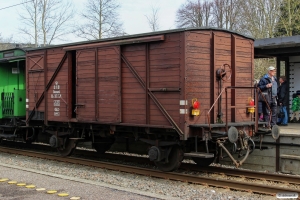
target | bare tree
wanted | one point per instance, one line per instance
(31, 20)
(256, 18)
(259, 17)
(101, 20)
(56, 19)
(153, 19)
(218, 13)
(6, 43)
(46, 20)
(194, 14)
(206, 12)
(289, 19)
(226, 14)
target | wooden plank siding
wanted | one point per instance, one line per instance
(244, 75)
(109, 100)
(223, 42)
(107, 91)
(164, 72)
(133, 94)
(197, 84)
(164, 58)
(35, 79)
(57, 95)
(198, 72)
(85, 85)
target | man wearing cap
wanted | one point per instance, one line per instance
(268, 83)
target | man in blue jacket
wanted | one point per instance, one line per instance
(283, 100)
(268, 83)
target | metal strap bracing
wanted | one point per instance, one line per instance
(156, 101)
(47, 87)
(36, 63)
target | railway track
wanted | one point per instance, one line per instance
(215, 182)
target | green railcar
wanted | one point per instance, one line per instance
(12, 87)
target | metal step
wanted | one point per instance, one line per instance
(219, 133)
(7, 136)
(264, 130)
(7, 126)
(76, 138)
(199, 155)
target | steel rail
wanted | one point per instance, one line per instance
(186, 166)
(246, 173)
(216, 182)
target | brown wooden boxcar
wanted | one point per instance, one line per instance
(145, 86)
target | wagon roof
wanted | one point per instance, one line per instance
(139, 35)
(14, 57)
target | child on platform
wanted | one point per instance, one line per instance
(296, 108)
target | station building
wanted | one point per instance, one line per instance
(286, 50)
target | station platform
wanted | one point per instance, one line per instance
(15, 182)
(292, 129)
(281, 155)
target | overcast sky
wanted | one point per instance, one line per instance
(132, 14)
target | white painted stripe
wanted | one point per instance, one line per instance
(27, 106)
(183, 111)
(27, 100)
(183, 102)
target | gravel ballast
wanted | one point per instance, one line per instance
(93, 177)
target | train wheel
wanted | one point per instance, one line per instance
(203, 162)
(174, 160)
(67, 147)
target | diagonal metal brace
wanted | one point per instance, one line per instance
(47, 88)
(156, 101)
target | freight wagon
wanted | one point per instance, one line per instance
(183, 93)
(13, 93)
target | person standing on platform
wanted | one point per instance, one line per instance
(269, 82)
(296, 108)
(259, 105)
(283, 101)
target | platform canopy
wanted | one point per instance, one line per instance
(277, 47)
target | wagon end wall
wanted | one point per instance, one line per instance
(206, 52)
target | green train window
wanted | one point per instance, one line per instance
(8, 54)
